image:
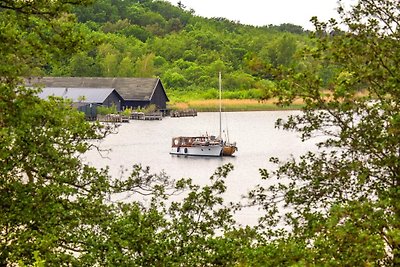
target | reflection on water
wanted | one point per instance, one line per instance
(148, 143)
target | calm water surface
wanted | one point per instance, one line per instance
(149, 142)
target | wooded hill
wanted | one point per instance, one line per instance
(152, 38)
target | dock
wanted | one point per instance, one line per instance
(183, 113)
(146, 116)
(115, 118)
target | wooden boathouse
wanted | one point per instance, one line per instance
(85, 100)
(133, 92)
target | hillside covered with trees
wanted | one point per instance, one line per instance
(150, 38)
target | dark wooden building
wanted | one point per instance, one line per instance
(85, 99)
(135, 92)
(102, 96)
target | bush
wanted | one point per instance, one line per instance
(103, 110)
(127, 112)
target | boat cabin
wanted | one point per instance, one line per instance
(189, 141)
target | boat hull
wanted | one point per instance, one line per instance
(205, 151)
(228, 150)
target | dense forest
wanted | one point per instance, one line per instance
(150, 38)
(338, 206)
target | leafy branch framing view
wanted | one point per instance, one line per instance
(343, 207)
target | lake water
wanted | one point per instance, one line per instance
(149, 142)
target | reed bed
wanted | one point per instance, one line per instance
(231, 105)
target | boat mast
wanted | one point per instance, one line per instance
(220, 107)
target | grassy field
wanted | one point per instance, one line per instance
(230, 105)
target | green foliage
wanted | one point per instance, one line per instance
(281, 52)
(147, 109)
(39, 174)
(145, 66)
(172, 79)
(24, 52)
(127, 112)
(288, 27)
(342, 199)
(56, 206)
(82, 65)
(38, 261)
(193, 49)
(104, 110)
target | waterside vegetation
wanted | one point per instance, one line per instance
(229, 105)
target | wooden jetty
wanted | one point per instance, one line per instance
(183, 113)
(146, 116)
(113, 118)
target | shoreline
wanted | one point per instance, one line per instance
(232, 105)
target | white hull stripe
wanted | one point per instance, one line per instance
(214, 151)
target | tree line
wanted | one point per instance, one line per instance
(156, 39)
